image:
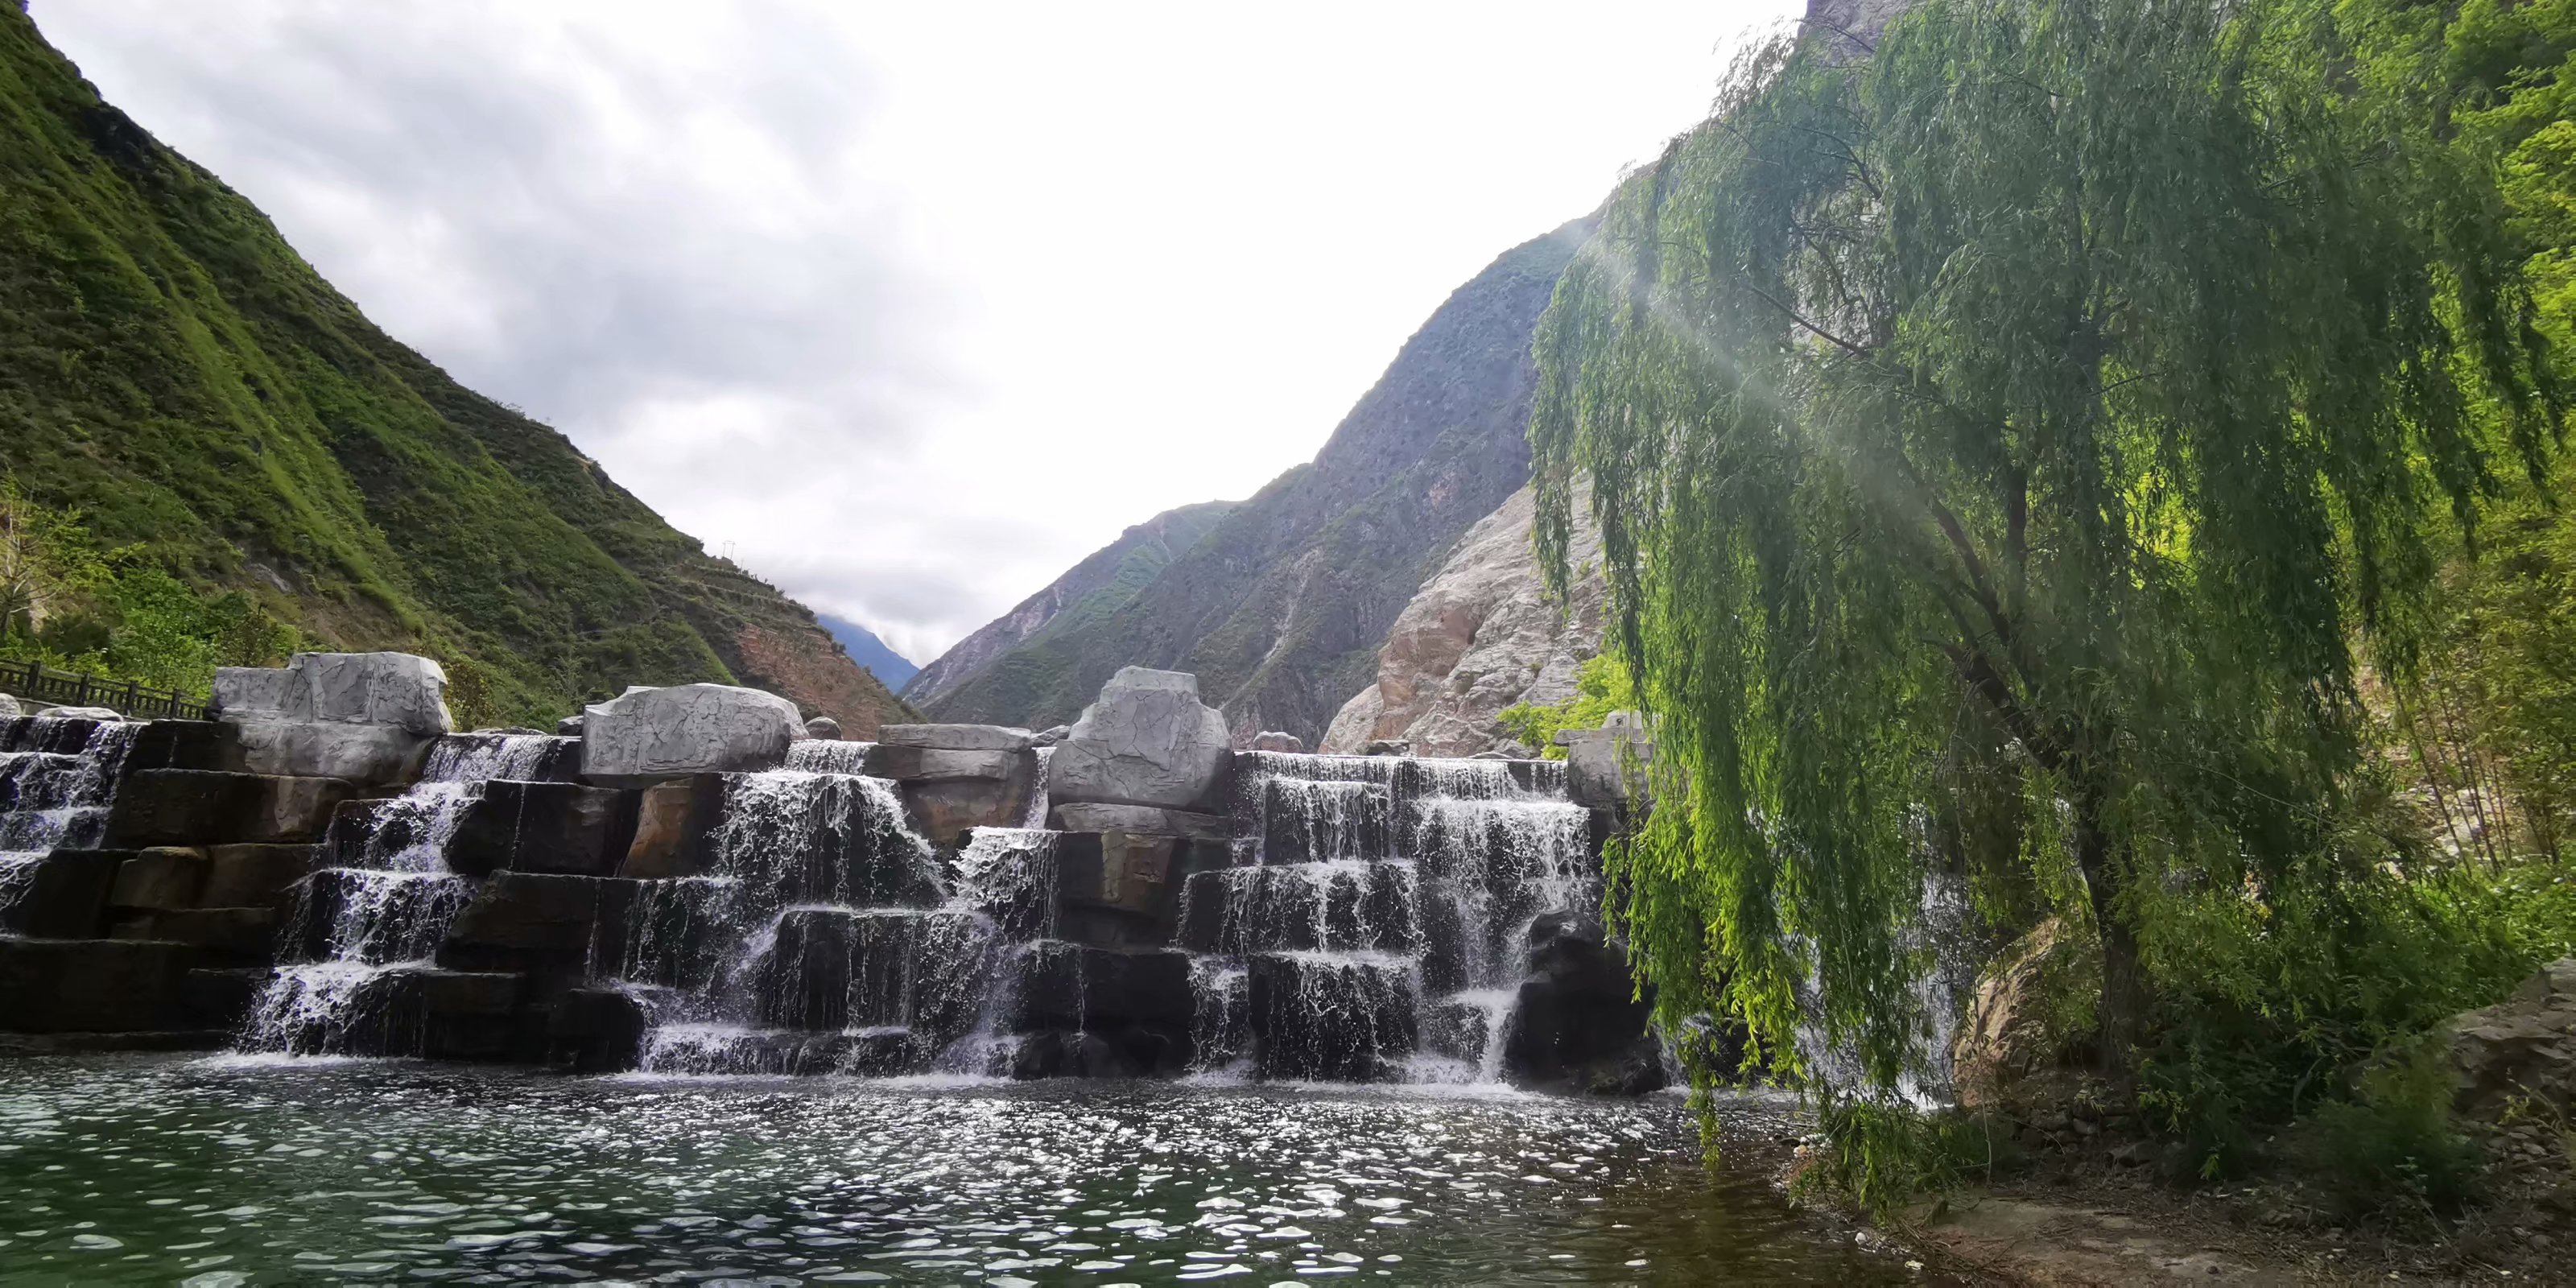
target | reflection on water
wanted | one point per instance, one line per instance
(216, 1173)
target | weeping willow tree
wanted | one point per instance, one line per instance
(2008, 443)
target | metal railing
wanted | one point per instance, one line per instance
(44, 684)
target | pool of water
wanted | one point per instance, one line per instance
(216, 1172)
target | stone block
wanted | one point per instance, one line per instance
(220, 997)
(1145, 820)
(823, 727)
(9, 709)
(208, 807)
(942, 809)
(672, 823)
(400, 690)
(228, 932)
(93, 985)
(596, 1030)
(65, 896)
(164, 876)
(364, 717)
(543, 827)
(647, 736)
(376, 755)
(956, 737)
(912, 764)
(255, 875)
(1331, 1019)
(1123, 871)
(1605, 767)
(1074, 986)
(527, 919)
(1146, 741)
(184, 744)
(1272, 740)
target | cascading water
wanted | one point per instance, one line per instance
(57, 777)
(818, 940)
(1376, 923)
(383, 904)
(828, 756)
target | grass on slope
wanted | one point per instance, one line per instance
(171, 367)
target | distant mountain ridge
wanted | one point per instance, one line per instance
(171, 367)
(1103, 582)
(892, 669)
(1282, 605)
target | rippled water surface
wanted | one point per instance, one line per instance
(162, 1171)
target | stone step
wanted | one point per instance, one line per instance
(1350, 906)
(1332, 1017)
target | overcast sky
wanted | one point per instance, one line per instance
(912, 304)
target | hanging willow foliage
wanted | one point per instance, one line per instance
(2000, 439)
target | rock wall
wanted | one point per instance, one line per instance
(1480, 636)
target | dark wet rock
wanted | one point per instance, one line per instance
(237, 934)
(165, 876)
(248, 875)
(1331, 1019)
(65, 896)
(204, 807)
(543, 827)
(596, 1030)
(93, 985)
(1579, 1024)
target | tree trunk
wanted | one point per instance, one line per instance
(2121, 1015)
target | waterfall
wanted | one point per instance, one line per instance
(821, 939)
(1376, 923)
(57, 777)
(1035, 817)
(381, 907)
(828, 756)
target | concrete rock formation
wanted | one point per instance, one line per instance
(1273, 740)
(960, 776)
(645, 735)
(1481, 635)
(823, 727)
(9, 709)
(364, 717)
(1598, 768)
(1147, 741)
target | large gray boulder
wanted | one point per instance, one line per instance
(365, 717)
(1147, 741)
(645, 736)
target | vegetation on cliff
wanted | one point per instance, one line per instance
(2023, 449)
(240, 437)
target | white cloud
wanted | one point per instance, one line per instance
(913, 304)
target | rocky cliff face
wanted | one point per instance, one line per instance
(1281, 608)
(173, 369)
(1480, 636)
(1094, 588)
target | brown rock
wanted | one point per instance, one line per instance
(1479, 636)
(165, 876)
(248, 875)
(671, 825)
(205, 807)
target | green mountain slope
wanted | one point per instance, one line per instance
(170, 366)
(1102, 583)
(1281, 606)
